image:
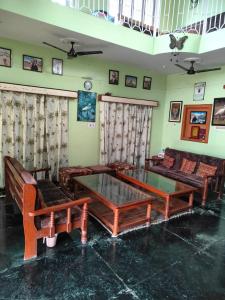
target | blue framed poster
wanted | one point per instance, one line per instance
(86, 106)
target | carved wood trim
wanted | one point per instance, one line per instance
(124, 100)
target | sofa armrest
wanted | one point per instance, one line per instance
(59, 207)
(155, 160)
(35, 171)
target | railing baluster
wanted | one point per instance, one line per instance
(52, 224)
(68, 220)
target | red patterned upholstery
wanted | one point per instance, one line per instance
(65, 175)
(188, 166)
(120, 166)
(99, 169)
(206, 170)
(168, 161)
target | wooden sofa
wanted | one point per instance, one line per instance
(45, 208)
(203, 184)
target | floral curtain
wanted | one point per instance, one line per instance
(27, 125)
(124, 133)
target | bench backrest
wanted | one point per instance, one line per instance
(211, 160)
(20, 184)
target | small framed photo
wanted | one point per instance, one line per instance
(199, 91)
(57, 66)
(147, 82)
(175, 111)
(32, 63)
(5, 57)
(131, 81)
(198, 117)
(113, 77)
(195, 132)
(218, 117)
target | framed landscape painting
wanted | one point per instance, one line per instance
(218, 116)
(131, 81)
(86, 106)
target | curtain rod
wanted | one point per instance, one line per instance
(124, 100)
(37, 90)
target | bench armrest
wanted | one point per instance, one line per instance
(59, 207)
(39, 170)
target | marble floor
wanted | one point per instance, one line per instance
(180, 259)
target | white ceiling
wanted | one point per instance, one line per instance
(34, 32)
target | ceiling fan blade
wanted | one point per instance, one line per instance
(181, 67)
(55, 47)
(208, 70)
(88, 53)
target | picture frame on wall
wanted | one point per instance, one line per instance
(113, 77)
(5, 57)
(131, 81)
(147, 83)
(195, 132)
(57, 66)
(175, 111)
(218, 116)
(199, 91)
(32, 63)
(86, 106)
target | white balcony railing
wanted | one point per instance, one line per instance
(156, 17)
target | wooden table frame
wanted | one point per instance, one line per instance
(117, 210)
(168, 198)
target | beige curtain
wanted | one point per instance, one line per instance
(31, 130)
(124, 133)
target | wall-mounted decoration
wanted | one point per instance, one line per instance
(147, 82)
(175, 111)
(218, 118)
(57, 66)
(131, 81)
(32, 63)
(87, 85)
(113, 77)
(196, 123)
(86, 106)
(198, 117)
(177, 43)
(5, 57)
(199, 91)
(195, 132)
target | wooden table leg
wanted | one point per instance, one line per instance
(167, 207)
(191, 198)
(115, 223)
(148, 214)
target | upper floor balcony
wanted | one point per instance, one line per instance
(157, 17)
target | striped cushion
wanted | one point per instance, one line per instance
(187, 166)
(206, 170)
(168, 161)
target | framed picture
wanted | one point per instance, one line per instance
(5, 57)
(86, 106)
(198, 117)
(130, 81)
(147, 82)
(113, 77)
(32, 63)
(195, 132)
(199, 91)
(218, 117)
(57, 66)
(175, 111)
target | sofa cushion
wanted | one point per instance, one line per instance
(188, 166)
(206, 170)
(168, 161)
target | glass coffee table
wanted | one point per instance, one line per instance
(171, 192)
(116, 205)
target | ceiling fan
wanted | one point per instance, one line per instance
(192, 71)
(72, 53)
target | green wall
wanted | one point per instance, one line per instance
(181, 88)
(84, 141)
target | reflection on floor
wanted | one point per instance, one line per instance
(180, 259)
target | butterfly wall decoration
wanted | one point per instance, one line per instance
(177, 43)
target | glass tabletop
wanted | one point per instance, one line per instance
(112, 189)
(157, 181)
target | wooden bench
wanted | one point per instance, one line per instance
(45, 208)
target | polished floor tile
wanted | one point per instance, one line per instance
(180, 259)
